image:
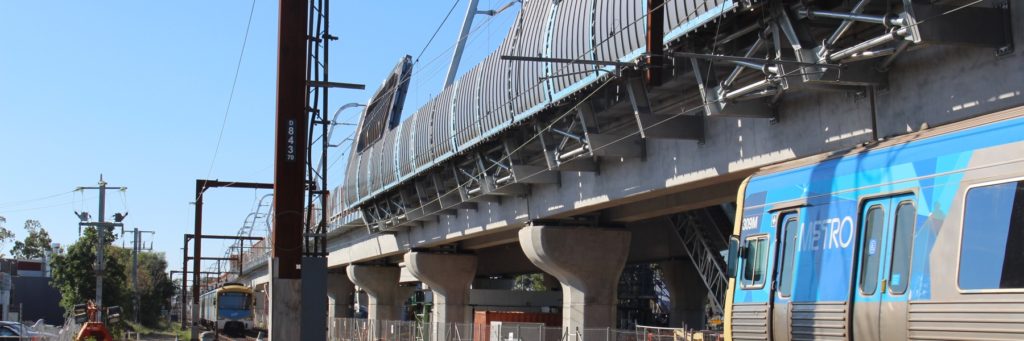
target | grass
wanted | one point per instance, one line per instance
(165, 328)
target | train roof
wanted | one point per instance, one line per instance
(234, 287)
(1007, 114)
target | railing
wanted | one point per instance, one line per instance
(257, 256)
(349, 329)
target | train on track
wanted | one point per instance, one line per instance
(917, 237)
(228, 309)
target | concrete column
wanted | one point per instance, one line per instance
(385, 296)
(285, 306)
(449, 277)
(339, 295)
(587, 263)
(687, 293)
(551, 283)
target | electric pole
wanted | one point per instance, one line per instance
(137, 245)
(101, 227)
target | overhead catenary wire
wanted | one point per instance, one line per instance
(430, 65)
(68, 203)
(27, 201)
(231, 94)
(439, 26)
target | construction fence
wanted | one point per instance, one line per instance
(350, 329)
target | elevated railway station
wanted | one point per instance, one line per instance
(613, 154)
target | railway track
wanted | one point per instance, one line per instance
(249, 336)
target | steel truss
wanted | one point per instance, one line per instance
(801, 45)
(318, 41)
(740, 66)
(701, 243)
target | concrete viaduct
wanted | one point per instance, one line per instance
(638, 158)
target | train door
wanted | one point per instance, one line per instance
(879, 300)
(788, 229)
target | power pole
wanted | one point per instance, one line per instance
(137, 245)
(101, 227)
(460, 44)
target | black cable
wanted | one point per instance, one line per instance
(22, 202)
(436, 31)
(231, 95)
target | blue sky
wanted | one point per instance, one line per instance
(137, 91)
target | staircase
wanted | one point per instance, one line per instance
(699, 233)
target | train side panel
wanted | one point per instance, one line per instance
(866, 246)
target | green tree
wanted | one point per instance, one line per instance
(530, 282)
(6, 236)
(36, 243)
(74, 273)
(155, 288)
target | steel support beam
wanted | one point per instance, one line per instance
(460, 44)
(290, 158)
(655, 36)
(674, 126)
(201, 186)
(291, 129)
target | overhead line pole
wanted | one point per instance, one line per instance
(201, 186)
(460, 44)
(195, 276)
(136, 246)
(311, 245)
(184, 280)
(290, 157)
(100, 226)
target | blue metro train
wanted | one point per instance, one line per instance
(919, 237)
(228, 308)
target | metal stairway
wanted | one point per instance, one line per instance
(701, 240)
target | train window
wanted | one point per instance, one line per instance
(790, 228)
(754, 266)
(903, 239)
(234, 301)
(871, 249)
(992, 244)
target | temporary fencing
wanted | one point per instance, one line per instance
(351, 329)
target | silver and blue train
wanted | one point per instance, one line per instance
(228, 309)
(916, 238)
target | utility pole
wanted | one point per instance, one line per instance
(101, 228)
(137, 245)
(460, 44)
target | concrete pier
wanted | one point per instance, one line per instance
(449, 277)
(686, 291)
(385, 296)
(339, 295)
(285, 306)
(587, 262)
